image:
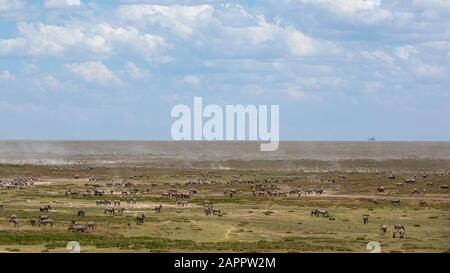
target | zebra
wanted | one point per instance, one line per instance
(400, 229)
(216, 212)
(140, 219)
(444, 187)
(380, 189)
(182, 203)
(81, 212)
(414, 191)
(422, 204)
(395, 201)
(14, 221)
(116, 202)
(119, 211)
(366, 218)
(383, 229)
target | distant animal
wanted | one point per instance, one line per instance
(383, 229)
(395, 201)
(77, 228)
(33, 221)
(422, 203)
(414, 191)
(366, 219)
(46, 222)
(380, 189)
(90, 225)
(45, 208)
(158, 208)
(391, 176)
(400, 229)
(81, 212)
(320, 212)
(109, 210)
(444, 187)
(140, 219)
(410, 180)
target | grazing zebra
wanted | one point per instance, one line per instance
(414, 191)
(43, 217)
(81, 212)
(422, 203)
(395, 201)
(217, 212)
(366, 219)
(207, 211)
(373, 200)
(140, 219)
(391, 176)
(400, 229)
(380, 189)
(46, 222)
(429, 183)
(116, 202)
(383, 229)
(444, 187)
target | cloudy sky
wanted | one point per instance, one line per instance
(339, 69)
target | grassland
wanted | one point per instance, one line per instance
(249, 224)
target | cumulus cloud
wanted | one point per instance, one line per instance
(365, 11)
(182, 20)
(94, 72)
(39, 39)
(135, 72)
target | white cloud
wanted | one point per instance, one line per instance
(366, 11)
(182, 20)
(192, 80)
(428, 70)
(5, 75)
(6, 5)
(432, 4)
(405, 52)
(61, 3)
(94, 72)
(135, 72)
(38, 39)
(295, 94)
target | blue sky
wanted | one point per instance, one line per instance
(339, 69)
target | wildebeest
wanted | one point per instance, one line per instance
(33, 221)
(410, 180)
(140, 219)
(77, 228)
(158, 208)
(45, 208)
(366, 219)
(383, 229)
(109, 210)
(320, 212)
(46, 222)
(90, 225)
(398, 228)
